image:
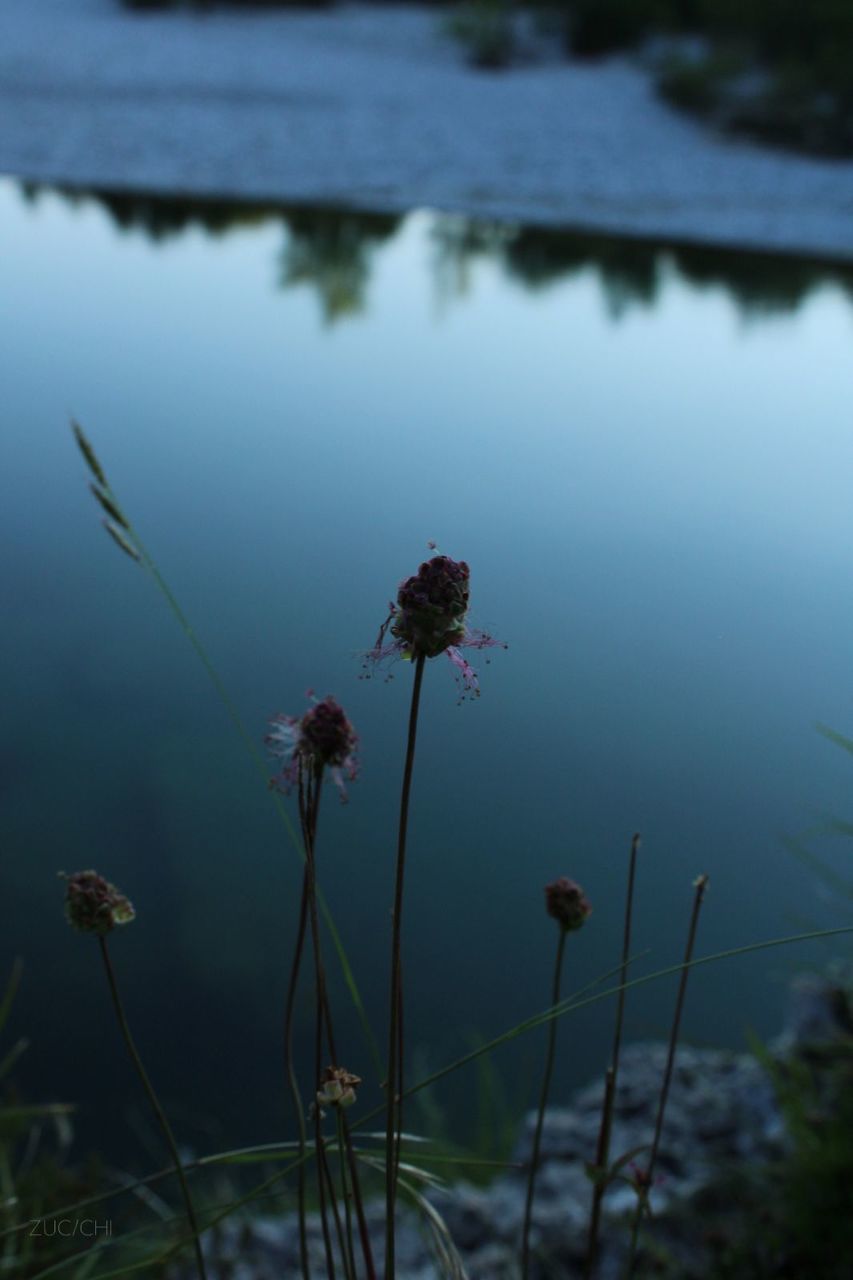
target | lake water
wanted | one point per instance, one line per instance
(645, 455)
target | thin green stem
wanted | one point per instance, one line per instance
(358, 1200)
(540, 1117)
(309, 810)
(251, 747)
(701, 885)
(291, 1076)
(394, 1079)
(320, 1151)
(155, 1106)
(602, 1155)
(309, 802)
(333, 1200)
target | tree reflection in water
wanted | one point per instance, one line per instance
(332, 250)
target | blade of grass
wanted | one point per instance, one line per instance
(834, 736)
(237, 722)
(572, 1004)
(576, 1001)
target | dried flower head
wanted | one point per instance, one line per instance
(337, 1087)
(93, 905)
(429, 618)
(566, 902)
(322, 738)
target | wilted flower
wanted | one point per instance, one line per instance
(567, 903)
(338, 1087)
(429, 619)
(323, 737)
(93, 905)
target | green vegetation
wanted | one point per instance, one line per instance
(778, 70)
(790, 1216)
(484, 28)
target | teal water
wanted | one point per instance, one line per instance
(644, 453)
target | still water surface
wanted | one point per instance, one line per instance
(646, 457)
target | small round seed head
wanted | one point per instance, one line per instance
(566, 902)
(337, 1087)
(431, 607)
(93, 905)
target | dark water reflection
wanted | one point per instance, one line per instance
(333, 251)
(658, 518)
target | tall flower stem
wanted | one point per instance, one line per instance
(543, 1101)
(345, 1191)
(291, 1076)
(602, 1154)
(309, 805)
(394, 1080)
(155, 1105)
(700, 885)
(358, 1201)
(333, 1200)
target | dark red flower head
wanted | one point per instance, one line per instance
(431, 607)
(567, 903)
(322, 737)
(430, 617)
(326, 735)
(93, 905)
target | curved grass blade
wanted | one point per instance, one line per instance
(577, 1001)
(133, 546)
(573, 1002)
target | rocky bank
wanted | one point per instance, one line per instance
(723, 1118)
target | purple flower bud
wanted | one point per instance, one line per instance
(429, 618)
(431, 607)
(93, 905)
(567, 903)
(322, 737)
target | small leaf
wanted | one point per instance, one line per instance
(109, 506)
(118, 537)
(89, 454)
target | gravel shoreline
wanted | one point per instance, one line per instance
(372, 107)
